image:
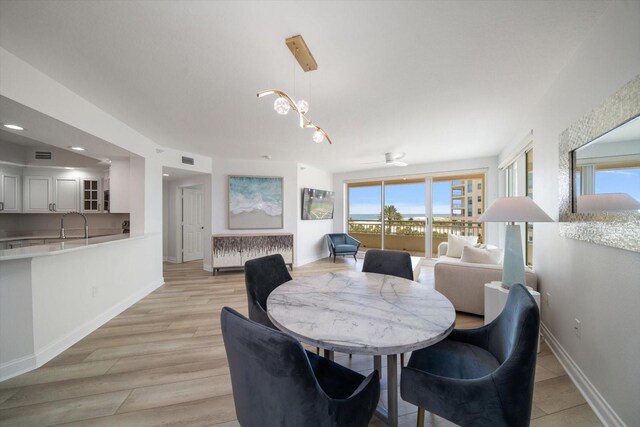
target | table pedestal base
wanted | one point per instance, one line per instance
(389, 415)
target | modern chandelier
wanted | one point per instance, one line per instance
(284, 103)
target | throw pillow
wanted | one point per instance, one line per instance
(481, 256)
(456, 243)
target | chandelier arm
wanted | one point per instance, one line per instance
(305, 122)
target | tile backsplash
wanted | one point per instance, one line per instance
(43, 224)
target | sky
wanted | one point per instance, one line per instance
(409, 199)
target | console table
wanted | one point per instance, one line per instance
(233, 250)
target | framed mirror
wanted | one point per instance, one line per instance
(599, 173)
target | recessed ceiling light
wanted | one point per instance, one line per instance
(68, 168)
(14, 127)
(165, 174)
(77, 148)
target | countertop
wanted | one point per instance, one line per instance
(50, 237)
(69, 245)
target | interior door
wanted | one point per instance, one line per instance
(192, 224)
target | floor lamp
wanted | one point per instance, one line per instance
(512, 210)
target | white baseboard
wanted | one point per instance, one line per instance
(171, 259)
(596, 401)
(207, 267)
(27, 363)
(16, 367)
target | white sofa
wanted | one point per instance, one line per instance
(463, 282)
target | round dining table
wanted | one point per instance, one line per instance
(363, 313)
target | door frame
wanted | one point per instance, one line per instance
(428, 180)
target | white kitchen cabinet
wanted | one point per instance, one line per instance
(38, 194)
(119, 184)
(65, 194)
(44, 194)
(91, 195)
(10, 191)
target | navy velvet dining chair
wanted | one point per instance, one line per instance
(261, 276)
(483, 376)
(392, 263)
(277, 383)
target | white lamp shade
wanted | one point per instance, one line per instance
(514, 209)
(607, 202)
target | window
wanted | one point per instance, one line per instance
(479, 198)
(479, 186)
(479, 211)
(469, 186)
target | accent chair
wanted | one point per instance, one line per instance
(483, 376)
(342, 244)
(277, 383)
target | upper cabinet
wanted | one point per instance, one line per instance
(65, 194)
(44, 194)
(38, 194)
(10, 191)
(91, 195)
(119, 183)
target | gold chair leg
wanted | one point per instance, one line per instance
(420, 417)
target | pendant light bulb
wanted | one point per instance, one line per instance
(317, 137)
(303, 106)
(281, 105)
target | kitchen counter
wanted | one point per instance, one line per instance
(68, 245)
(53, 295)
(51, 237)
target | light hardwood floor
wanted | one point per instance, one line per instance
(162, 362)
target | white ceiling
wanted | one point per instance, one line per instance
(439, 80)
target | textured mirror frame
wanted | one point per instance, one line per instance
(616, 229)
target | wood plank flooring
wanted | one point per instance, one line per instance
(162, 362)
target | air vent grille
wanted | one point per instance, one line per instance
(187, 160)
(43, 155)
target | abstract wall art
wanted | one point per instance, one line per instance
(255, 202)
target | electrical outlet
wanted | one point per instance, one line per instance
(577, 328)
(548, 299)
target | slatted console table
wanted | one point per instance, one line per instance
(233, 250)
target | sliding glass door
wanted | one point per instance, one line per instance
(457, 201)
(388, 214)
(404, 216)
(365, 207)
(415, 215)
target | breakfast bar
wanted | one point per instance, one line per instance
(53, 295)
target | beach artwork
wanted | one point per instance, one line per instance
(255, 202)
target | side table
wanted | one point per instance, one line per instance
(495, 297)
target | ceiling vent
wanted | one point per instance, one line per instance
(187, 160)
(43, 155)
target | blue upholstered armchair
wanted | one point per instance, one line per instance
(342, 244)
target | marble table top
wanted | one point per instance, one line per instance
(361, 313)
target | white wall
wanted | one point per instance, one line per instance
(596, 284)
(487, 164)
(311, 244)
(293, 182)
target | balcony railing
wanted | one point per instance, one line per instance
(416, 228)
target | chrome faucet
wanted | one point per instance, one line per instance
(86, 227)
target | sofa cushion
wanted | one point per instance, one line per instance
(481, 255)
(456, 243)
(341, 249)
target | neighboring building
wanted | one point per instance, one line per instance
(467, 199)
